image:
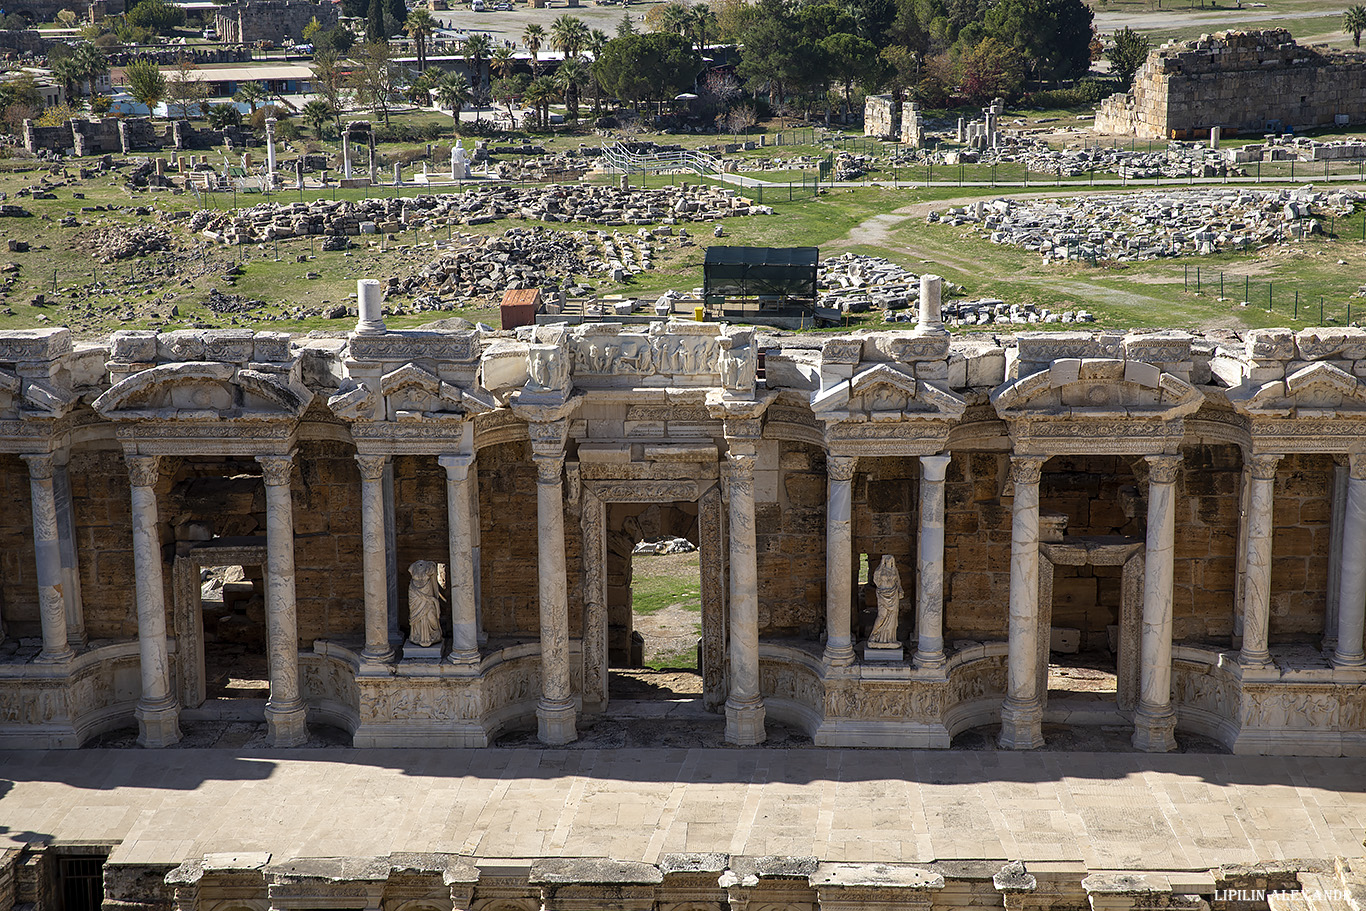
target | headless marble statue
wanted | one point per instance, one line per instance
(889, 595)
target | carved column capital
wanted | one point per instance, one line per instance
(276, 470)
(143, 469)
(1356, 466)
(740, 465)
(372, 467)
(1163, 469)
(457, 466)
(40, 465)
(935, 467)
(841, 468)
(1026, 469)
(549, 467)
(1263, 465)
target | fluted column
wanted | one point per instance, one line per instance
(839, 560)
(555, 712)
(1352, 588)
(157, 712)
(929, 621)
(460, 524)
(1022, 712)
(48, 556)
(1155, 720)
(377, 651)
(286, 712)
(1257, 575)
(744, 704)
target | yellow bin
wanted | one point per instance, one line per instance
(699, 314)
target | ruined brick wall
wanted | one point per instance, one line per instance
(19, 585)
(1302, 516)
(101, 499)
(50, 139)
(95, 137)
(880, 117)
(270, 20)
(976, 547)
(789, 521)
(1206, 558)
(509, 534)
(1255, 82)
(329, 584)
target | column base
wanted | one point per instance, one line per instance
(61, 657)
(1021, 725)
(745, 723)
(555, 723)
(839, 655)
(929, 661)
(1353, 661)
(465, 659)
(1154, 730)
(158, 723)
(287, 726)
(1254, 659)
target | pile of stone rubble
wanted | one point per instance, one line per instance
(602, 205)
(116, 242)
(1139, 226)
(854, 283)
(524, 258)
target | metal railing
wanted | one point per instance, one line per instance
(618, 157)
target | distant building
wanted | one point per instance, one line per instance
(270, 20)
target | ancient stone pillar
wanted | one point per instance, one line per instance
(931, 293)
(377, 651)
(346, 153)
(157, 711)
(48, 556)
(1257, 575)
(839, 560)
(744, 704)
(555, 712)
(929, 621)
(286, 713)
(460, 521)
(1155, 721)
(1341, 472)
(369, 307)
(1352, 588)
(270, 152)
(1022, 712)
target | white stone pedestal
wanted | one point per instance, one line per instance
(555, 722)
(745, 723)
(412, 652)
(883, 653)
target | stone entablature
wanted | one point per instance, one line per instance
(1251, 82)
(801, 461)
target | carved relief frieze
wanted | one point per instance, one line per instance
(413, 699)
(1295, 708)
(1197, 687)
(785, 680)
(909, 700)
(985, 679)
(680, 357)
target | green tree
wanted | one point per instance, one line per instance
(850, 58)
(395, 15)
(454, 92)
(992, 69)
(508, 90)
(328, 81)
(375, 78)
(533, 39)
(477, 49)
(158, 16)
(186, 90)
(539, 94)
(374, 23)
(568, 35)
(570, 78)
(251, 94)
(503, 61)
(626, 26)
(597, 40)
(312, 29)
(222, 116)
(1129, 51)
(1053, 35)
(653, 66)
(317, 112)
(1354, 23)
(419, 25)
(146, 83)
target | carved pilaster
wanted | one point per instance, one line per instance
(1257, 574)
(374, 565)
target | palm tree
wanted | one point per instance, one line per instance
(533, 39)
(539, 95)
(503, 61)
(454, 92)
(251, 94)
(572, 74)
(702, 21)
(676, 17)
(89, 63)
(67, 71)
(317, 112)
(419, 25)
(597, 40)
(1354, 23)
(477, 49)
(568, 35)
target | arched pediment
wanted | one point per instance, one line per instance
(203, 392)
(883, 392)
(20, 398)
(1100, 388)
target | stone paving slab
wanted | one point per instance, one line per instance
(1104, 810)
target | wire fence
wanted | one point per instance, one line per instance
(1283, 297)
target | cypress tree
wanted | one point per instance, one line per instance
(374, 28)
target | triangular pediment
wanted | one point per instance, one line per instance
(1316, 388)
(884, 392)
(1077, 388)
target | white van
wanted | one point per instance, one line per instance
(477, 6)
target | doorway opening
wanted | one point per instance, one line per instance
(233, 609)
(1083, 661)
(654, 599)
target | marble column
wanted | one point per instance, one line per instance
(377, 651)
(286, 712)
(1022, 712)
(157, 712)
(555, 722)
(744, 704)
(459, 520)
(48, 556)
(1341, 471)
(1352, 587)
(1155, 720)
(1257, 574)
(929, 622)
(839, 560)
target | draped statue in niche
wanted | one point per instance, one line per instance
(424, 604)
(889, 596)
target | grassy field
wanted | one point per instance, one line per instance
(666, 600)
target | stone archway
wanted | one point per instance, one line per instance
(596, 495)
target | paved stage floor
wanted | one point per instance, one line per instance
(1104, 810)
